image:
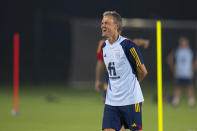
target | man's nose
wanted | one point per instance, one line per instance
(103, 25)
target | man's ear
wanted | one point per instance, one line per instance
(117, 26)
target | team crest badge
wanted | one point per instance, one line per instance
(133, 125)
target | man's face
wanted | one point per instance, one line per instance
(184, 43)
(108, 27)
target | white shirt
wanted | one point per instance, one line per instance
(121, 59)
(184, 61)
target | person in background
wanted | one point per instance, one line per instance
(181, 63)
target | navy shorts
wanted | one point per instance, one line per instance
(130, 116)
(183, 82)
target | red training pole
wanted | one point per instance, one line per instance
(16, 71)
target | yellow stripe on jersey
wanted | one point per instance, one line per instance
(137, 107)
(138, 61)
(136, 57)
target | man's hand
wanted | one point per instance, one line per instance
(98, 85)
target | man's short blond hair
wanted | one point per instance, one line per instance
(117, 18)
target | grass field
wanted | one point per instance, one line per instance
(80, 108)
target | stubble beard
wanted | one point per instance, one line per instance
(104, 36)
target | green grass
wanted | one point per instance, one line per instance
(80, 108)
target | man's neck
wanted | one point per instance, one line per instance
(113, 38)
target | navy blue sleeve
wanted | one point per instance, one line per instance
(102, 46)
(133, 54)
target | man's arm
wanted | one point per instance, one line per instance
(141, 42)
(141, 72)
(100, 67)
(136, 56)
(170, 61)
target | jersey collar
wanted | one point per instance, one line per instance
(115, 43)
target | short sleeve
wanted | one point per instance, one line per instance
(135, 54)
